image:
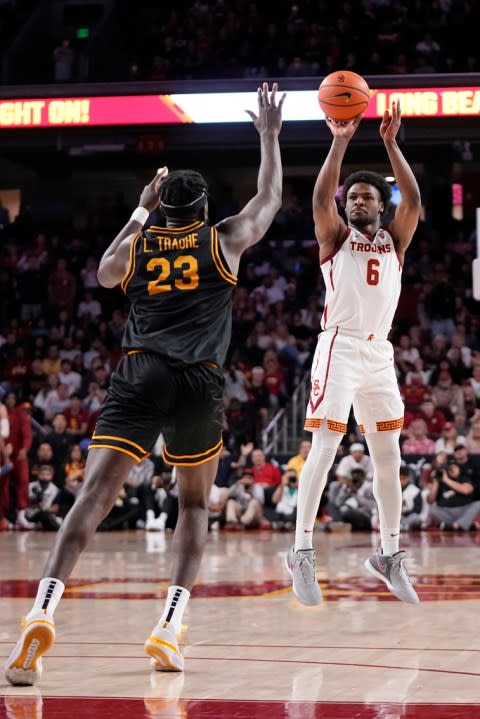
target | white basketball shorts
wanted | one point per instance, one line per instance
(350, 371)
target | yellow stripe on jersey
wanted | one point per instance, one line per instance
(131, 263)
(224, 272)
(191, 226)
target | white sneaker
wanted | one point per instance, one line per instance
(301, 567)
(391, 570)
(156, 524)
(22, 522)
(24, 665)
(162, 647)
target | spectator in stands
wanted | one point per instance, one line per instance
(284, 499)
(77, 417)
(274, 379)
(57, 401)
(6, 467)
(414, 506)
(89, 308)
(431, 415)
(42, 455)
(447, 395)
(52, 363)
(42, 509)
(449, 439)
(356, 459)
(298, 460)
(20, 437)
(61, 441)
(236, 385)
(473, 436)
(259, 401)
(453, 504)
(69, 376)
(63, 62)
(413, 391)
(62, 288)
(217, 504)
(265, 474)
(345, 503)
(74, 466)
(244, 508)
(471, 403)
(407, 354)
(418, 441)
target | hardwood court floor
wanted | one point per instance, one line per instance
(252, 651)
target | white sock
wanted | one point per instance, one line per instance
(49, 593)
(175, 605)
(313, 479)
(384, 448)
(390, 540)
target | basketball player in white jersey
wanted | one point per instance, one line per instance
(353, 365)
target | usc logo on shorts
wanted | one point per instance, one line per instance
(316, 387)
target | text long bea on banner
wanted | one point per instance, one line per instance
(228, 107)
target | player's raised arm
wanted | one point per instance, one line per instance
(114, 262)
(241, 231)
(407, 213)
(329, 226)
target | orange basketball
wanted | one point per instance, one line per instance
(343, 95)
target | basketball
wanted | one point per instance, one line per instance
(343, 95)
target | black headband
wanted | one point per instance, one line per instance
(188, 210)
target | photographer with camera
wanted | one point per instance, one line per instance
(452, 498)
(284, 499)
(244, 509)
(347, 505)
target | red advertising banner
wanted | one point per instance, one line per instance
(427, 101)
(221, 107)
(75, 111)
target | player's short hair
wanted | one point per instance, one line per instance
(183, 193)
(369, 178)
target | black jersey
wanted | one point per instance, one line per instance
(180, 289)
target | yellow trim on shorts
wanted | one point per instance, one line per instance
(118, 449)
(120, 439)
(389, 425)
(312, 424)
(212, 453)
(332, 425)
(335, 426)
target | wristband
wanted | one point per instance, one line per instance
(140, 214)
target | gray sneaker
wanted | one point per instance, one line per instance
(391, 570)
(301, 567)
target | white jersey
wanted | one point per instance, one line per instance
(363, 283)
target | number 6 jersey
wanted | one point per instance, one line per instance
(362, 279)
(180, 289)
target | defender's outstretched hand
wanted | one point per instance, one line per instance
(269, 111)
(391, 122)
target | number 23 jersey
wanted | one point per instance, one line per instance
(363, 283)
(180, 289)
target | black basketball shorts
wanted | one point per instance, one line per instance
(147, 397)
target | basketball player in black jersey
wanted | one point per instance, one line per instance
(180, 280)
